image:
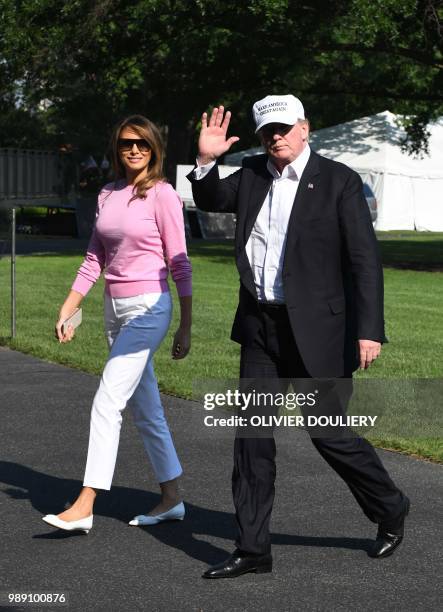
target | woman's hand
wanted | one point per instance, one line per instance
(70, 305)
(69, 332)
(181, 343)
(64, 337)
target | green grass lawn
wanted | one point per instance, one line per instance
(413, 325)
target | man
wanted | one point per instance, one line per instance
(310, 306)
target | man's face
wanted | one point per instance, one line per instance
(284, 143)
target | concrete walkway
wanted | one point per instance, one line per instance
(320, 537)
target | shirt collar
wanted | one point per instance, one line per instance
(294, 170)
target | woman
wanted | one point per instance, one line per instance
(139, 225)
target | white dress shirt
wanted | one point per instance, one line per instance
(266, 245)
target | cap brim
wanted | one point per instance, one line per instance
(275, 119)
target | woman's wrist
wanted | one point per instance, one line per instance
(63, 314)
(71, 303)
(66, 311)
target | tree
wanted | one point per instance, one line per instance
(93, 62)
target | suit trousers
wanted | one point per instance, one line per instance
(266, 364)
(134, 328)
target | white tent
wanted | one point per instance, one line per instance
(409, 190)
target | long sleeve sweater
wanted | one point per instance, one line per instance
(136, 242)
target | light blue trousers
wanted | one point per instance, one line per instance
(134, 328)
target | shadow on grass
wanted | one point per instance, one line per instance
(415, 252)
(426, 255)
(420, 252)
(421, 255)
(219, 251)
(74, 253)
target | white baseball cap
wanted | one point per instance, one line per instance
(277, 109)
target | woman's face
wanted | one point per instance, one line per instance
(134, 152)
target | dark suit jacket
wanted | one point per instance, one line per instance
(332, 273)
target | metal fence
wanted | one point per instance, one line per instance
(31, 178)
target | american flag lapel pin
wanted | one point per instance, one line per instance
(310, 186)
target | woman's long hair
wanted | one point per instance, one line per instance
(149, 132)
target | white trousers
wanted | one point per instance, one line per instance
(134, 328)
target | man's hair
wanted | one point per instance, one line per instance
(306, 120)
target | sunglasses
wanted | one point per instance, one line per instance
(126, 144)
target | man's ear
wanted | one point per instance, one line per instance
(304, 125)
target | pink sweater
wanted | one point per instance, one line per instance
(136, 243)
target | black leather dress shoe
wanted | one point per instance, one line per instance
(240, 563)
(385, 544)
(390, 535)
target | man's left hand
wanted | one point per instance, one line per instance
(369, 351)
